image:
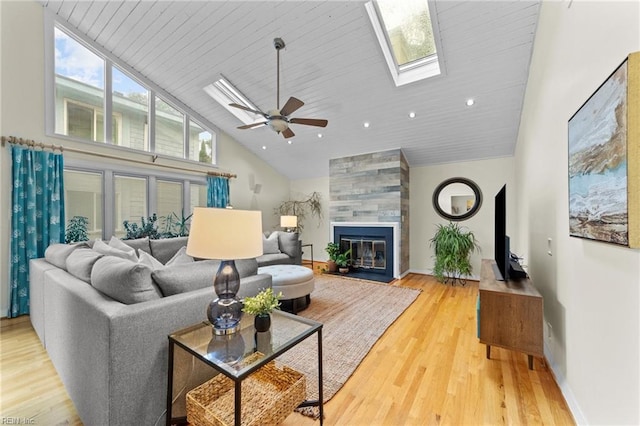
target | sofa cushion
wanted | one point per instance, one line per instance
(57, 254)
(180, 257)
(165, 248)
(107, 250)
(270, 244)
(288, 242)
(80, 263)
(185, 277)
(123, 280)
(274, 259)
(247, 267)
(139, 244)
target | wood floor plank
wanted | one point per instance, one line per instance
(427, 369)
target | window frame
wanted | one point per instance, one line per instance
(51, 21)
(429, 67)
(109, 173)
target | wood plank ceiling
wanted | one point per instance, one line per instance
(333, 63)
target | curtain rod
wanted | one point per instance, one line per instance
(33, 144)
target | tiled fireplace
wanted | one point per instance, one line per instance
(369, 193)
(374, 248)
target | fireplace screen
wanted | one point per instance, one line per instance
(365, 253)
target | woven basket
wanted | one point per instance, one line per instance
(268, 397)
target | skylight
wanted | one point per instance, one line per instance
(225, 93)
(407, 36)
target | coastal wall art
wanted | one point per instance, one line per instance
(604, 160)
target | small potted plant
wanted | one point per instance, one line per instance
(343, 260)
(333, 250)
(261, 305)
(453, 247)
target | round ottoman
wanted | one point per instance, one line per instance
(295, 282)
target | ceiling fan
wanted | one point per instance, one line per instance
(278, 119)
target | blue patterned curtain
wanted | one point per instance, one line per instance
(217, 191)
(37, 216)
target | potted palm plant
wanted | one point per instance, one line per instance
(333, 250)
(343, 260)
(261, 305)
(453, 247)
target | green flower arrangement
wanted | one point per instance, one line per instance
(263, 303)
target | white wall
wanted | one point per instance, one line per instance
(22, 115)
(591, 290)
(315, 232)
(489, 175)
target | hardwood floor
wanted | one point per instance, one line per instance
(427, 369)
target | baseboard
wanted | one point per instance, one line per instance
(430, 272)
(574, 407)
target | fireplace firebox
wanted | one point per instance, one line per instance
(371, 250)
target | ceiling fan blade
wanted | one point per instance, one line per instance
(288, 133)
(249, 109)
(292, 105)
(249, 126)
(309, 122)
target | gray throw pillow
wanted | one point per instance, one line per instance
(288, 243)
(246, 267)
(57, 254)
(148, 260)
(80, 263)
(107, 250)
(165, 248)
(139, 244)
(270, 244)
(186, 277)
(180, 257)
(123, 280)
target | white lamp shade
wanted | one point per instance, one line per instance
(288, 221)
(225, 234)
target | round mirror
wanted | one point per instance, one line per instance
(457, 199)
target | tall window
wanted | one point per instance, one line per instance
(169, 196)
(83, 197)
(130, 201)
(169, 130)
(198, 196)
(200, 144)
(131, 101)
(78, 102)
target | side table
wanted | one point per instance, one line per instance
(311, 246)
(248, 353)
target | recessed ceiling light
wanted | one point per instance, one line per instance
(289, 141)
(412, 114)
(320, 135)
(264, 147)
(366, 124)
(470, 102)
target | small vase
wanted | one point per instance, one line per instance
(332, 266)
(262, 322)
(343, 270)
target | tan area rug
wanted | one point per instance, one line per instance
(355, 314)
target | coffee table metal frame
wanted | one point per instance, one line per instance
(280, 319)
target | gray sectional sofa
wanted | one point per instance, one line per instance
(104, 318)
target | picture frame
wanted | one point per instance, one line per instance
(604, 160)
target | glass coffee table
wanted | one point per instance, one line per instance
(240, 354)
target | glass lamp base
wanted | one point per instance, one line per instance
(224, 315)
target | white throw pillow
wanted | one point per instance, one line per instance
(117, 243)
(102, 248)
(270, 245)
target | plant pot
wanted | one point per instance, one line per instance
(262, 322)
(332, 266)
(344, 270)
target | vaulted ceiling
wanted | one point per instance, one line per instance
(333, 62)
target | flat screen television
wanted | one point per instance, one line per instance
(501, 243)
(506, 266)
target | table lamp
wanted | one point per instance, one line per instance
(226, 235)
(289, 223)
